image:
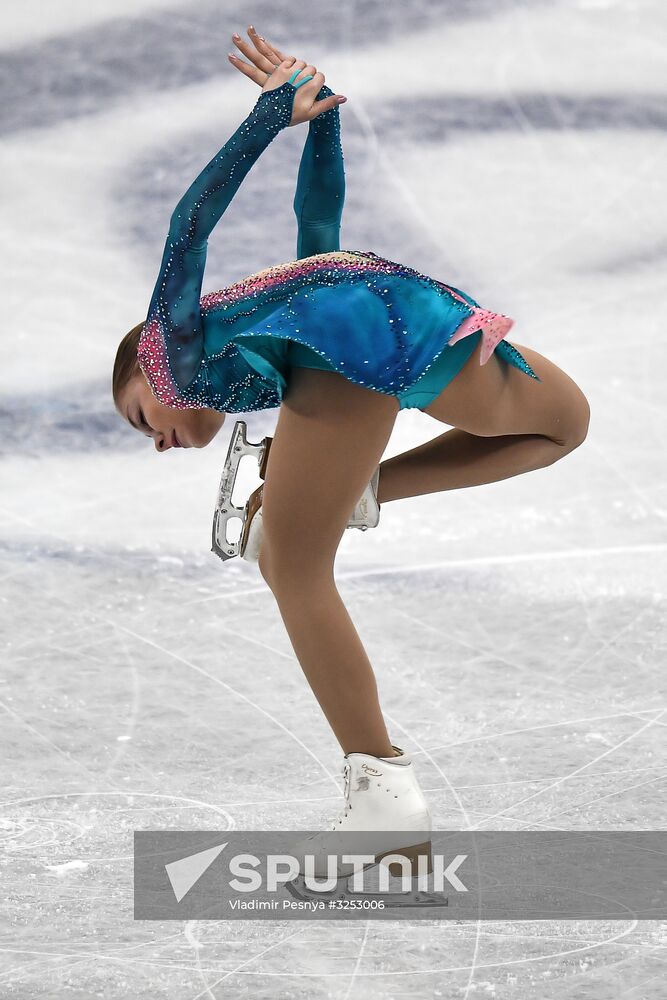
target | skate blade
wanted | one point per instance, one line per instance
(225, 510)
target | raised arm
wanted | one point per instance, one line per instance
(173, 335)
(320, 188)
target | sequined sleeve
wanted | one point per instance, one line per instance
(320, 189)
(171, 346)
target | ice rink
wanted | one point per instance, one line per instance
(516, 149)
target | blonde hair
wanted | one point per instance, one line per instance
(126, 365)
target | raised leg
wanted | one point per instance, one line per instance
(504, 424)
(329, 439)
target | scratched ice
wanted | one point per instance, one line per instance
(513, 149)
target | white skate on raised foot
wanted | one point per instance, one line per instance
(366, 513)
(385, 814)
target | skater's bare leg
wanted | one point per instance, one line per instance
(329, 439)
(504, 423)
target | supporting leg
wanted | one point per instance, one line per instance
(333, 660)
(328, 441)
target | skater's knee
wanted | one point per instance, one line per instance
(293, 578)
(264, 564)
(296, 551)
(295, 570)
(574, 428)
(582, 422)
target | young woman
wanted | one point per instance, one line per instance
(341, 340)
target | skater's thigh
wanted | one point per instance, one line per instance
(330, 436)
(498, 398)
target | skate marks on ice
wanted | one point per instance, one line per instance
(101, 752)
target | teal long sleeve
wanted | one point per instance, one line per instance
(176, 297)
(320, 188)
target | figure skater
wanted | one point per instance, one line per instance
(340, 340)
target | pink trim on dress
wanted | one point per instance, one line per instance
(277, 275)
(153, 361)
(494, 326)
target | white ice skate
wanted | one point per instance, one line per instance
(366, 513)
(385, 813)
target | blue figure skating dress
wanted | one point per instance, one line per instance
(379, 323)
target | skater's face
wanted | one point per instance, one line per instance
(169, 427)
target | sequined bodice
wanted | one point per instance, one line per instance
(277, 270)
(278, 275)
(377, 321)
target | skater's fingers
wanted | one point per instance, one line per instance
(305, 90)
(326, 104)
(250, 71)
(283, 73)
(266, 47)
(306, 105)
(261, 61)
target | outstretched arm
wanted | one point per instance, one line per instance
(320, 188)
(175, 304)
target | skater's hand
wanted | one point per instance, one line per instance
(270, 68)
(305, 106)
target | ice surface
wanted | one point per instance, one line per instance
(516, 150)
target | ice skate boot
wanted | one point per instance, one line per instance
(385, 813)
(366, 513)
